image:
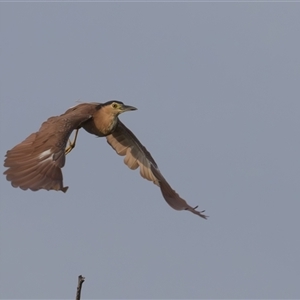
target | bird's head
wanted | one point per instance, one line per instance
(117, 107)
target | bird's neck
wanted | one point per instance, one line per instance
(105, 122)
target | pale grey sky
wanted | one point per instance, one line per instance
(217, 88)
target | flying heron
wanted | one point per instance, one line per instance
(36, 162)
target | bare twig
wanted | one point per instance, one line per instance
(80, 282)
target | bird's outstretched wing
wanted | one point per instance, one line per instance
(136, 155)
(36, 162)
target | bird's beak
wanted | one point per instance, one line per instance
(128, 108)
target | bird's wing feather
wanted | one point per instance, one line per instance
(125, 143)
(36, 162)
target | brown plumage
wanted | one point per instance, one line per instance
(36, 162)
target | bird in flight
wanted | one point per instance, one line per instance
(36, 162)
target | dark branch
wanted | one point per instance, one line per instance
(79, 286)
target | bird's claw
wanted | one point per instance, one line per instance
(199, 213)
(69, 148)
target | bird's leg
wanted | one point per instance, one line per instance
(71, 144)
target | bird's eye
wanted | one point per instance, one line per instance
(114, 105)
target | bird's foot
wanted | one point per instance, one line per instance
(196, 212)
(72, 144)
(69, 148)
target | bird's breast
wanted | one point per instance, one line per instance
(100, 126)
